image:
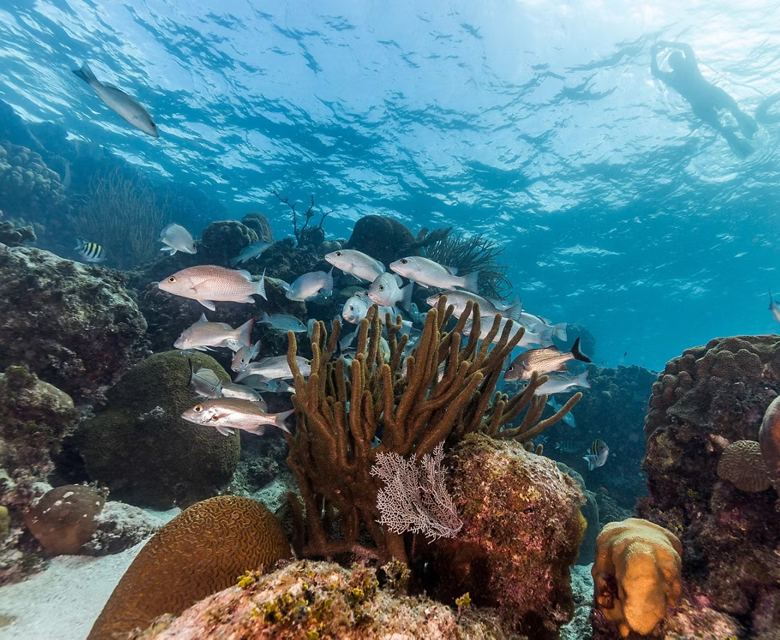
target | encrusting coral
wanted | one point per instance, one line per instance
(201, 551)
(443, 390)
(636, 575)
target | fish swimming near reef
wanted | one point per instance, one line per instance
(417, 317)
(566, 446)
(244, 356)
(272, 386)
(178, 239)
(596, 455)
(543, 361)
(356, 308)
(560, 383)
(356, 263)
(310, 285)
(251, 251)
(274, 367)
(537, 323)
(284, 322)
(385, 291)
(568, 418)
(209, 283)
(207, 384)
(529, 338)
(774, 307)
(90, 251)
(204, 334)
(487, 308)
(127, 108)
(227, 414)
(428, 273)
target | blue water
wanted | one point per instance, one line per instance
(540, 126)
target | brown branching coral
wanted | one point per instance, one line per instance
(443, 390)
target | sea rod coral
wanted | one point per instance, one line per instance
(443, 391)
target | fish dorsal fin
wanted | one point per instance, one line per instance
(202, 319)
(453, 270)
(245, 274)
(399, 280)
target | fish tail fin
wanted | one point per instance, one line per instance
(582, 380)
(406, 300)
(85, 73)
(515, 310)
(80, 245)
(546, 335)
(169, 250)
(589, 459)
(471, 282)
(235, 261)
(244, 332)
(560, 331)
(281, 417)
(328, 285)
(578, 355)
(260, 287)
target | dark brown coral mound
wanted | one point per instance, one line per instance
(704, 400)
(201, 551)
(383, 238)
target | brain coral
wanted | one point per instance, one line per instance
(636, 574)
(742, 465)
(769, 439)
(201, 551)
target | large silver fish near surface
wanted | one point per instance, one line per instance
(127, 108)
(209, 283)
(428, 273)
(227, 414)
(542, 361)
(357, 263)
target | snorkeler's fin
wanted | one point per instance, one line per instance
(741, 147)
(747, 125)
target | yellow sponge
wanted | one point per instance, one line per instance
(636, 574)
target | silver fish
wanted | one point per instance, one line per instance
(127, 108)
(178, 239)
(774, 307)
(537, 324)
(487, 308)
(385, 290)
(242, 392)
(529, 338)
(357, 263)
(356, 308)
(431, 274)
(90, 251)
(251, 251)
(568, 418)
(284, 322)
(542, 361)
(272, 386)
(596, 455)
(560, 383)
(207, 384)
(209, 283)
(274, 367)
(203, 334)
(417, 317)
(310, 285)
(227, 414)
(244, 356)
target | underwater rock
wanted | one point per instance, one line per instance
(119, 527)
(704, 400)
(636, 574)
(201, 551)
(309, 599)
(64, 519)
(87, 328)
(769, 441)
(141, 448)
(14, 235)
(286, 262)
(223, 240)
(382, 238)
(522, 527)
(260, 225)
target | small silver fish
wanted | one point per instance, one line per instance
(284, 322)
(203, 334)
(357, 263)
(127, 108)
(596, 455)
(227, 414)
(90, 251)
(568, 418)
(209, 283)
(487, 308)
(537, 324)
(272, 386)
(529, 338)
(251, 251)
(356, 308)
(542, 361)
(310, 285)
(207, 384)
(244, 356)
(385, 290)
(178, 239)
(274, 367)
(774, 307)
(242, 392)
(428, 273)
(560, 383)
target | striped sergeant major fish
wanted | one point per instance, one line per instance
(90, 251)
(597, 454)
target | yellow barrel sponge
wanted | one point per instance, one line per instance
(636, 574)
(201, 551)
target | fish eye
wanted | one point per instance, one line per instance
(381, 287)
(172, 279)
(197, 408)
(351, 308)
(404, 261)
(338, 253)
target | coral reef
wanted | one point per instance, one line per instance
(14, 235)
(382, 238)
(706, 399)
(742, 465)
(260, 225)
(769, 441)
(119, 527)
(201, 551)
(63, 519)
(223, 240)
(27, 186)
(286, 262)
(88, 328)
(341, 408)
(140, 447)
(522, 528)
(636, 574)
(321, 600)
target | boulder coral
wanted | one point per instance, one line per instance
(201, 551)
(260, 225)
(637, 574)
(141, 448)
(521, 532)
(223, 240)
(383, 238)
(27, 185)
(88, 328)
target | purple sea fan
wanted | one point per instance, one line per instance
(414, 497)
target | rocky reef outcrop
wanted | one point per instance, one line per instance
(73, 325)
(383, 238)
(15, 235)
(706, 399)
(27, 185)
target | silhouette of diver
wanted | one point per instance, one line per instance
(705, 99)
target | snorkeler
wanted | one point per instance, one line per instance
(705, 98)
